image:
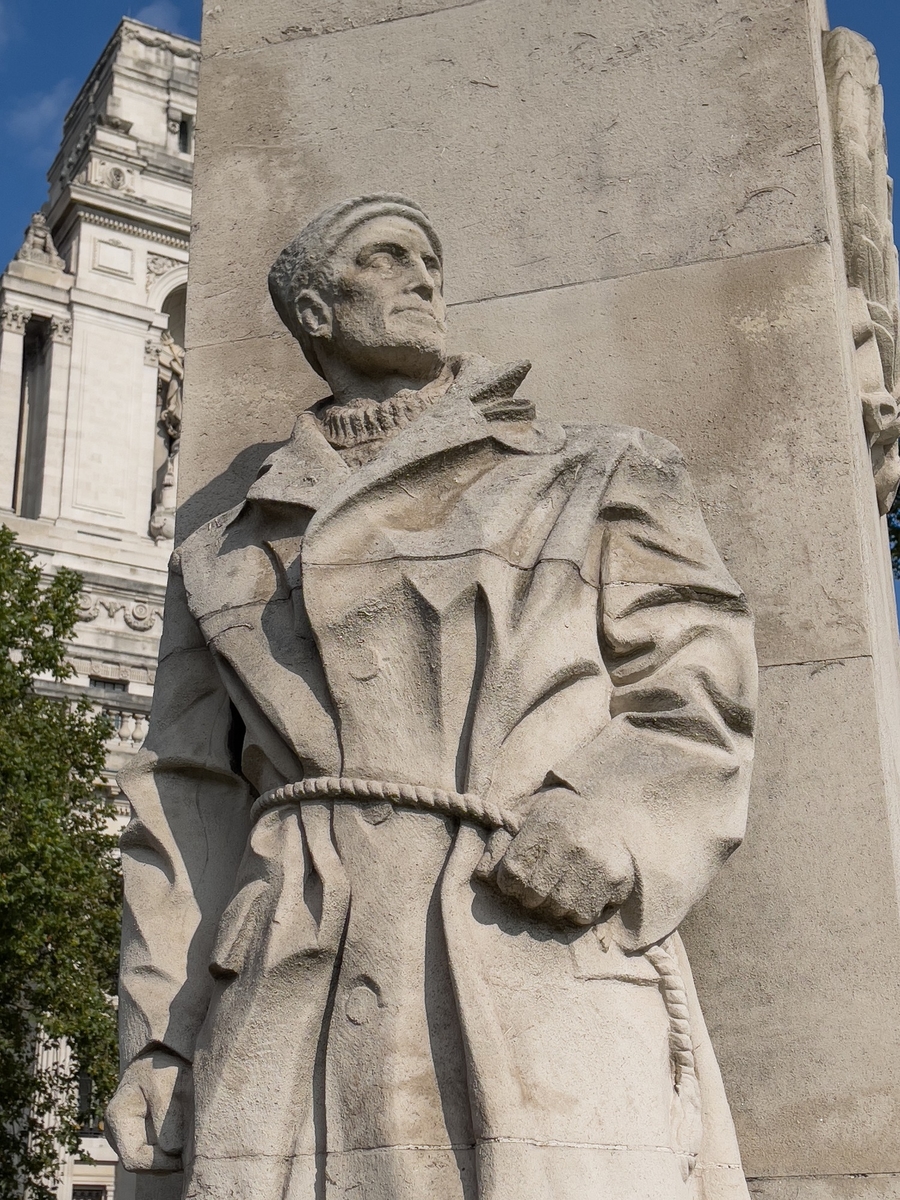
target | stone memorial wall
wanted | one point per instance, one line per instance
(650, 202)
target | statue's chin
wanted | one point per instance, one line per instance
(421, 359)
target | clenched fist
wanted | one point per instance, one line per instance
(562, 863)
(147, 1116)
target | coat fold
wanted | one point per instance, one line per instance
(494, 604)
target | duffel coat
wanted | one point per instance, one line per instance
(496, 605)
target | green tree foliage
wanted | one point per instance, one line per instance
(59, 882)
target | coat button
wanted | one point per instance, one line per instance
(361, 1005)
(366, 663)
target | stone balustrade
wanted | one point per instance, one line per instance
(129, 729)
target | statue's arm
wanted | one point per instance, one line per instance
(182, 847)
(651, 808)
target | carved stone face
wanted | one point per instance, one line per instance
(386, 306)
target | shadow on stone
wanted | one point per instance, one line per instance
(224, 491)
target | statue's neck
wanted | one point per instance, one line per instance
(351, 388)
(358, 427)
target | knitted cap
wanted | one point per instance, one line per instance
(302, 261)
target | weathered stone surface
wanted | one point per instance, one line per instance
(427, 904)
(835, 1187)
(656, 158)
(682, 123)
(814, 911)
(231, 27)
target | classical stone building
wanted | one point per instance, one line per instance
(92, 311)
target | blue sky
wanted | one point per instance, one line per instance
(46, 52)
(47, 49)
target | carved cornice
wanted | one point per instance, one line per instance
(14, 319)
(159, 41)
(141, 231)
(101, 668)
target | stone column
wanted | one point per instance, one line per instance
(57, 403)
(642, 199)
(12, 337)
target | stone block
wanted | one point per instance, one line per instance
(640, 204)
(835, 1187)
(795, 949)
(550, 145)
(231, 27)
(245, 402)
(778, 489)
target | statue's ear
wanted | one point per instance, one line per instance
(313, 314)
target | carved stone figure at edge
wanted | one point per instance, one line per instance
(170, 386)
(452, 727)
(865, 199)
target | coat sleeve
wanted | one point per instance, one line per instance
(182, 847)
(670, 772)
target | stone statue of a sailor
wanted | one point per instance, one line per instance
(452, 727)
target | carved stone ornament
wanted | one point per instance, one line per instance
(136, 614)
(159, 265)
(111, 121)
(141, 617)
(170, 386)
(14, 319)
(159, 41)
(152, 350)
(88, 607)
(103, 669)
(412, 833)
(38, 245)
(865, 194)
(61, 330)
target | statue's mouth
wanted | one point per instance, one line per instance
(420, 311)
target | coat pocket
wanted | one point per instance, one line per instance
(239, 928)
(283, 910)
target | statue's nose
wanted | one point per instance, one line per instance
(423, 284)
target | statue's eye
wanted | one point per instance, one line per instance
(384, 256)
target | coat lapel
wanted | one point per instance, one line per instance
(480, 406)
(303, 471)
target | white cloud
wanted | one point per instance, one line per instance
(162, 14)
(37, 119)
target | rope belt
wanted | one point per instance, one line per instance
(466, 806)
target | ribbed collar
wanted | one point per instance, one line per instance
(357, 430)
(480, 404)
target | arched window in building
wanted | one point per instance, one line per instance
(173, 307)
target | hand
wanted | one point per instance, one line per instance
(146, 1118)
(561, 863)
